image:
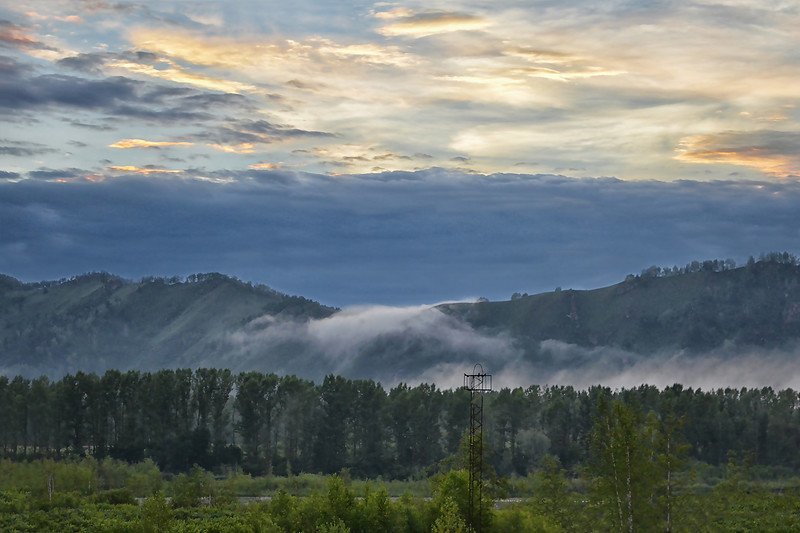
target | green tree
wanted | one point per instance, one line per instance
(454, 486)
(450, 519)
(624, 478)
(155, 514)
(369, 428)
(551, 496)
(336, 398)
(256, 399)
(670, 451)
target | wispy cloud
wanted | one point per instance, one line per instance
(16, 36)
(171, 71)
(263, 165)
(23, 148)
(142, 143)
(240, 148)
(407, 23)
(145, 171)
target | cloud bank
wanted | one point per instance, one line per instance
(397, 238)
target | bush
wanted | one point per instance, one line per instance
(115, 497)
(375, 512)
(67, 500)
(145, 479)
(188, 490)
(155, 514)
(449, 519)
(13, 502)
(454, 485)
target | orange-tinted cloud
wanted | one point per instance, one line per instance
(265, 166)
(142, 143)
(74, 19)
(261, 56)
(16, 36)
(774, 153)
(408, 24)
(175, 73)
(241, 148)
(145, 171)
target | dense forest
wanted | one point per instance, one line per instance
(267, 424)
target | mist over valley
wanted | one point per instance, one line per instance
(706, 325)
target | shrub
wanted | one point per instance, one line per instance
(115, 497)
(155, 514)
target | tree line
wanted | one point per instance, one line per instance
(269, 424)
(716, 265)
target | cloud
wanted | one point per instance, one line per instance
(141, 143)
(49, 174)
(145, 171)
(23, 91)
(9, 176)
(15, 36)
(409, 24)
(171, 71)
(260, 131)
(239, 148)
(776, 153)
(265, 166)
(23, 148)
(269, 55)
(89, 62)
(366, 158)
(72, 19)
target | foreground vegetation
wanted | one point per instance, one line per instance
(637, 476)
(108, 495)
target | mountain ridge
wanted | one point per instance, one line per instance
(88, 320)
(98, 321)
(757, 304)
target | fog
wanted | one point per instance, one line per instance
(390, 344)
(422, 344)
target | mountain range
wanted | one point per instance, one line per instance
(704, 313)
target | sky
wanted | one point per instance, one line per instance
(395, 152)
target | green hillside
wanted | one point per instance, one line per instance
(758, 304)
(96, 322)
(99, 321)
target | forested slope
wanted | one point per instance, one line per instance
(699, 307)
(100, 321)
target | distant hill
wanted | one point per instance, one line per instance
(754, 305)
(99, 321)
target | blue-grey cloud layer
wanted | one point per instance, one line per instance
(391, 238)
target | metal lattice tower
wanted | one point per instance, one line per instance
(477, 383)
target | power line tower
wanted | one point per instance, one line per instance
(477, 383)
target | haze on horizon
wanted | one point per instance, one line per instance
(387, 152)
